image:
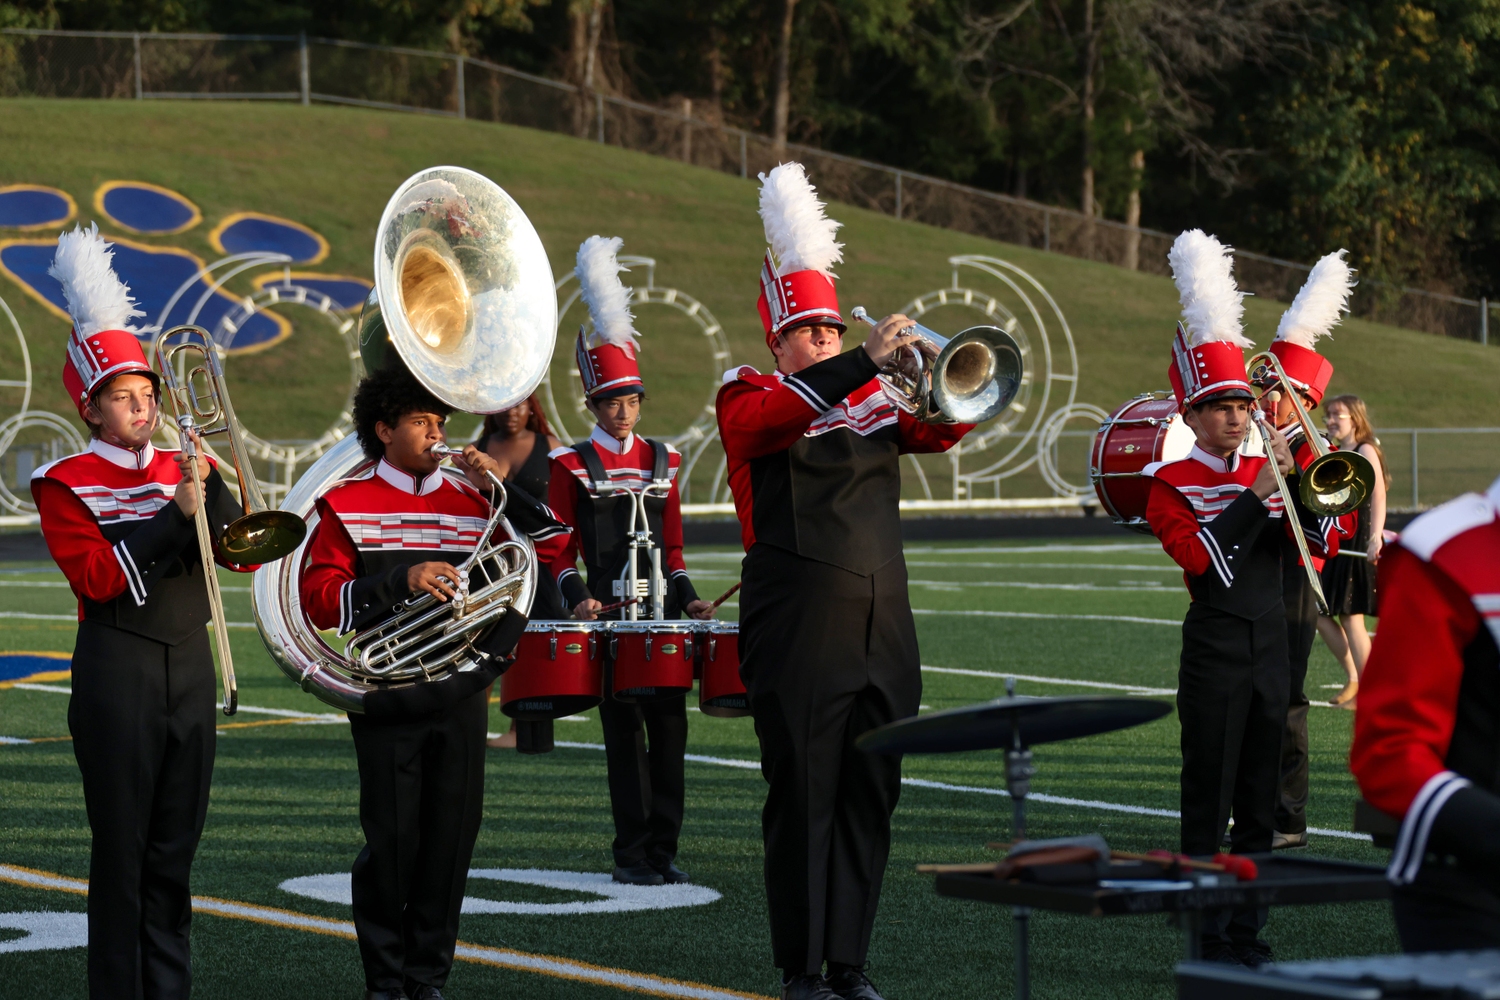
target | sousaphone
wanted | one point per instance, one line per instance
(464, 299)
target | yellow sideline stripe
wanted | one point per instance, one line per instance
(502, 958)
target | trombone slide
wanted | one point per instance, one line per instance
(211, 575)
(1288, 502)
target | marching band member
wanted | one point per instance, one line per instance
(827, 642)
(644, 743)
(118, 519)
(1317, 309)
(393, 532)
(1219, 516)
(1425, 730)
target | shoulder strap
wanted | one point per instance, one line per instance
(662, 460)
(593, 464)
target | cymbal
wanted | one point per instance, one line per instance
(993, 724)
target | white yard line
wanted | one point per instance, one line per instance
(1028, 585)
(288, 713)
(1066, 682)
(1176, 622)
(32, 616)
(1059, 800)
(989, 550)
(1042, 565)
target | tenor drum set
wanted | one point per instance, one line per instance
(566, 667)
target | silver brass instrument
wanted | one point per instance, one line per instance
(966, 380)
(261, 535)
(464, 300)
(1262, 422)
(652, 589)
(1336, 482)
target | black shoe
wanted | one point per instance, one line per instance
(390, 994)
(670, 873)
(810, 987)
(1253, 956)
(1285, 841)
(641, 874)
(1222, 955)
(853, 984)
(425, 993)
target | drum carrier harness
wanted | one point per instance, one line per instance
(634, 514)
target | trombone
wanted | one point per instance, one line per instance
(1262, 422)
(261, 535)
(1335, 482)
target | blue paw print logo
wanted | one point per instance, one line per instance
(169, 284)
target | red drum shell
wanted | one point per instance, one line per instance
(652, 660)
(721, 693)
(1147, 429)
(555, 673)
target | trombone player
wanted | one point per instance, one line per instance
(1221, 516)
(1317, 309)
(118, 519)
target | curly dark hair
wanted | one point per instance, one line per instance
(385, 396)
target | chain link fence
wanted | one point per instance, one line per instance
(128, 65)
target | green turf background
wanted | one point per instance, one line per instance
(284, 805)
(334, 168)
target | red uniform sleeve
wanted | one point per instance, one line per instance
(1408, 695)
(755, 420)
(1173, 523)
(562, 497)
(671, 533)
(332, 564)
(922, 438)
(76, 543)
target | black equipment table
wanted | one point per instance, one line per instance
(1456, 975)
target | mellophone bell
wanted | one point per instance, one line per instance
(618, 492)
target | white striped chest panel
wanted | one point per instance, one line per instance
(406, 530)
(119, 504)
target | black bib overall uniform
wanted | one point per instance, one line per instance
(144, 698)
(644, 742)
(828, 648)
(420, 748)
(1234, 680)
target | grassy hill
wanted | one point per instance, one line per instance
(334, 168)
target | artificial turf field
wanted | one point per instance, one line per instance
(285, 795)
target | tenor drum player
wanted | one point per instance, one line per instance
(118, 519)
(393, 532)
(645, 742)
(827, 642)
(1427, 727)
(1317, 309)
(1219, 515)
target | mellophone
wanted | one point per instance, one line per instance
(561, 666)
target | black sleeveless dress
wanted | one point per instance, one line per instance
(532, 478)
(1349, 581)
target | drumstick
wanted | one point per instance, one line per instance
(617, 606)
(724, 597)
(1240, 866)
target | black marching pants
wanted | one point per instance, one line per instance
(1447, 909)
(421, 793)
(826, 655)
(644, 745)
(1301, 631)
(1232, 690)
(142, 719)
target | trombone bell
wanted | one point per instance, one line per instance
(262, 537)
(1336, 483)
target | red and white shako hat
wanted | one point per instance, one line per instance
(102, 343)
(606, 356)
(796, 277)
(1313, 314)
(1208, 352)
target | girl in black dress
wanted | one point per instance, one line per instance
(519, 439)
(1349, 578)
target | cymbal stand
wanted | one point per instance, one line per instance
(1018, 774)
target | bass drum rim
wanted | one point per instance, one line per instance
(1102, 478)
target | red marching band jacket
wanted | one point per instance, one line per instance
(373, 528)
(630, 463)
(1211, 524)
(807, 451)
(1427, 732)
(128, 552)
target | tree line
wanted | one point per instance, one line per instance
(1289, 127)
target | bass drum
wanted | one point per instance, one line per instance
(1147, 429)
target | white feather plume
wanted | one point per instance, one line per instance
(1321, 303)
(801, 236)
(1212, 306)
(97, 298)
(607, 298)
